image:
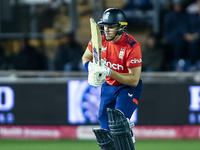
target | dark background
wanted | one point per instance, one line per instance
(46, 104)
(164, 104)
(39, 104)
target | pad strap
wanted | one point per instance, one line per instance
(104, 139)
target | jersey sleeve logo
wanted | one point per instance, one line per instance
(134, 61)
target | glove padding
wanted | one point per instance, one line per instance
(96, 74)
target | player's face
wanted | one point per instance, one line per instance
(110, 32)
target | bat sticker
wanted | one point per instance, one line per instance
(95, 54)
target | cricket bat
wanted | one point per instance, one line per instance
(96, 41)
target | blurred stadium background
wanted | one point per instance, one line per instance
(44, 20)
(57, 109)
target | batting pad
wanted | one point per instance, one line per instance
(104, 139)
(120, 130)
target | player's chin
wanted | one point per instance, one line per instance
(109, 38)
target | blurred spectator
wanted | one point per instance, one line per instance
(62, 22)
(165, 8)
(47, 14)
(174, 28)
(68, 54)
(28, 58)
(153, 54)
(138, 4)
(192, 8)
(193, 36)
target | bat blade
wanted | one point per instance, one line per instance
(96, 41)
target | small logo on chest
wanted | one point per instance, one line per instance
(121, 53)
(104, 49)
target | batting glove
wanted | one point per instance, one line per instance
(103, 64)
(96, 75)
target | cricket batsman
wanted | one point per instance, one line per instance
(119, 78)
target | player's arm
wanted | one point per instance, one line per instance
(132, 78)
(87, 56)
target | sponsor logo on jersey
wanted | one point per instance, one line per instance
(134, 61)
(113, 65)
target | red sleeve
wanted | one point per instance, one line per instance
(90, 45)
(134, 58)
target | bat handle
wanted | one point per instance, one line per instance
(99, 63)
